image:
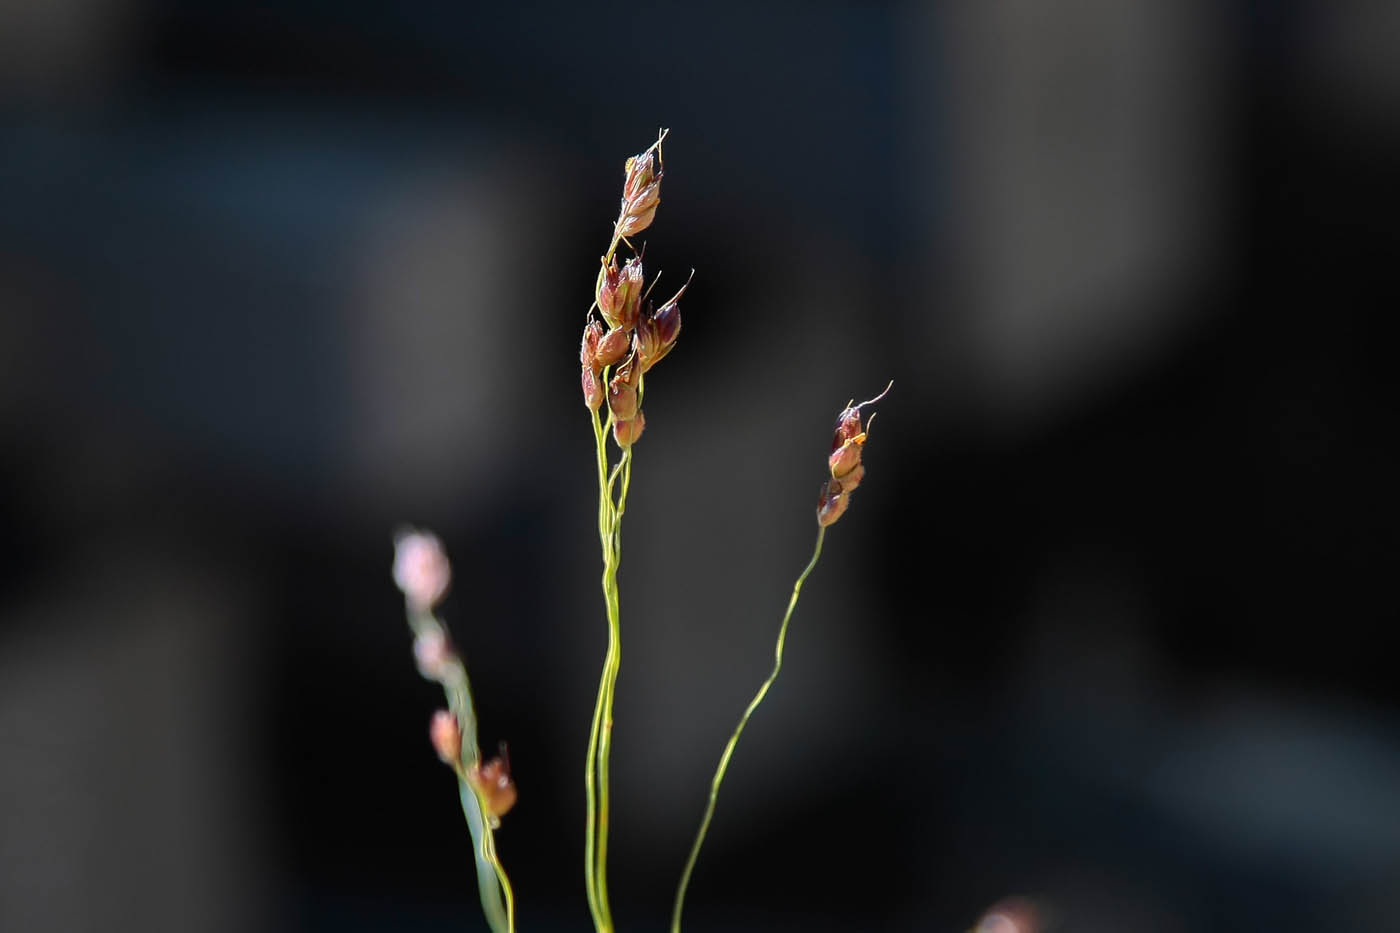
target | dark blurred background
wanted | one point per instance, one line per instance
(1107, 627)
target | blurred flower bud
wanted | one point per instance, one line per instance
(493, 785)
(831, 503)
(433, 654)
(446, 736)
(626, 433)
(1013, 915)
(421, 569)
(588, 351)
(592, 389)
(612, 347)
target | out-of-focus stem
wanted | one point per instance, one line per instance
(491, 879)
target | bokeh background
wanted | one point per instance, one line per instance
(1109, 626)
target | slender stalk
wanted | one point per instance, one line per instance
(591, 758)
(608, 688)
(738, 731)
(597, 776)
(597, 901)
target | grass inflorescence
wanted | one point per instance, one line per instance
(622, 341)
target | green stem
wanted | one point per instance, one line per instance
(608, 687)
(738, 731)
(597, 908)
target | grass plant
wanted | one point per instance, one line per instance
(621, 342)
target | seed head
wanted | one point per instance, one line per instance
(421, 569)
(847, 471)
(446, 736)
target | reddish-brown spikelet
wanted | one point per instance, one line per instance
(592, 389)
(588, 349)
(634, 223)
(638, 172)
(847, 471)
(641, 193)
(633, 285)
(620, 293)
(626, 433)
(847, 426)
(851, 481)
(588, 358)
(622, 391)
(648, 342)
(609, 282)
(846, 458)
(659, 329)
(831, 503)
(612, 347)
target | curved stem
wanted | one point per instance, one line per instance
(492, 881)
(738, 731)
(488, 846)
(490, 875)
